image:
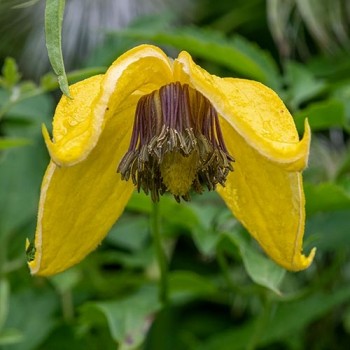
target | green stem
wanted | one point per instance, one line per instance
(261, 324)
(160, 254)
(67, 305)
(225, 269)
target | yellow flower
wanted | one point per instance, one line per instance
(224, 123)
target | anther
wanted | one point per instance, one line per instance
(176, 144)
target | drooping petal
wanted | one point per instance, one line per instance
(268, 200)
(78, 122)
(254, 111)
(82, 195)
(265, 190)
(80, 203)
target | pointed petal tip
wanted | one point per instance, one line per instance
(302, 262)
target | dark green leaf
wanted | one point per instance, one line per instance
(329, 231)
(237, 54)
(288, 318)
(321, 115)
(325, 197)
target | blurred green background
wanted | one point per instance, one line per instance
(224, 292)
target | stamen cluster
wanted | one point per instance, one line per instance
(176, 128)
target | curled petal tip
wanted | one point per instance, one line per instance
(302, 262)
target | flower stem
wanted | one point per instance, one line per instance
(160, 254)
(261, 324)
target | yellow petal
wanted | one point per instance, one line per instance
(265, 191)
(82, 195)
(79, 204)
(254, 111)
(268, 200)
(78, 122)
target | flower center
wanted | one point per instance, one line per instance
(176, 144)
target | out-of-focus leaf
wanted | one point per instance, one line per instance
(316, 18)
(325, 197)
(10, 74)
(21, 170)
(128, 319)
(4, 300)
(34, 329)
(54, 11)
(204, 232)
(334, 68)
(261, 270)
(136, 259)
(24, 119)
(129, 232)
(10, 336)
(288, 318)
(302, 85)
(13, 142)
(344, 168)
(321, 115)
(186, 285)
(346, 320)
(237, 54)
(185, 215)
(341, 92)
(66, 280)
(329, 231)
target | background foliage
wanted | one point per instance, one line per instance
(224, 293)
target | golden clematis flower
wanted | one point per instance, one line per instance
(169, 126)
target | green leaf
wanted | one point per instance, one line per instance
(261, 270)
(130, 232)
(302, 85)
(29, 114)
(33, 313)
(13, 142)
(325, 197)
(66, 280)
(204, 233)
(4, 300)
(341, 93)
(329, 231)
(237, 54)
(21, 171)
(10, 73)
(10, 336)
(321, 115)
(53, 27)
(186, 285)
(344, 168)
(287, 319)
(128, 319)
